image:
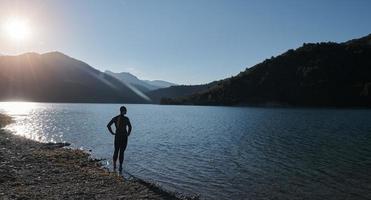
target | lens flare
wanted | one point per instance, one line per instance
(17, 29)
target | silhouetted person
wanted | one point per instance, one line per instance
(123, 130)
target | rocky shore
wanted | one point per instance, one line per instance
(33, 170)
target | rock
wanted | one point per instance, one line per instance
(51, 145)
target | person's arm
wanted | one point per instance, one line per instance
(129, 127)
(109, 126)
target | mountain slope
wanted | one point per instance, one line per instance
(160, 83)
(321, 74)
(55, 77)
(142, 85)
(165, 94)
(132, 80)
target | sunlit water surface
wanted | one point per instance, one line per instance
(221, 152)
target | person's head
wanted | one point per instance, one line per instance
(123, 110)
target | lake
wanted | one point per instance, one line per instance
(220, 152)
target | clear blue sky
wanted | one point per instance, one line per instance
(183, 41)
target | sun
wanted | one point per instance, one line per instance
(17, 29)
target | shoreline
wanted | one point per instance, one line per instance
(34, 170)
(242, 105)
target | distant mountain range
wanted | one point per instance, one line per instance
(55, 77)
(319, 74)
(142, 85)
(316, 74)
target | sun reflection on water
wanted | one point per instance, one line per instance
(26, 122)
(17, 108)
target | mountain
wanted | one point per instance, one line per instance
(55, 77)
(177, 91)
(160, 83)
(316, 74)
(142, 85)
(132, 80)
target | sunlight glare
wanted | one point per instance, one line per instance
(17, 108)
(17, 29)
(21, 112)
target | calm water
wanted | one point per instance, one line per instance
(221, 152)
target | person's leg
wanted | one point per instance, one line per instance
(121, 158)
(115, 154)
(122, 151)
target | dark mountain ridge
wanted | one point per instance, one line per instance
(55, 77)
(168, 93)
(316, 74)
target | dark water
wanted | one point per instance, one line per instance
(222, 152)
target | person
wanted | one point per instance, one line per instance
(123, 130)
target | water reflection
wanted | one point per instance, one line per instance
(27, 120)
(17, 108)
(221, 152)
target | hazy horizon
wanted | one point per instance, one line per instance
(185, 42)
